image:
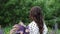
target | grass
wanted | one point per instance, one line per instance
(7, 30)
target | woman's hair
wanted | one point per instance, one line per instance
(36, 15)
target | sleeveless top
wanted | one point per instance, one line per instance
(33, 28)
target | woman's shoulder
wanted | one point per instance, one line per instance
(32, 23)
(33, 27)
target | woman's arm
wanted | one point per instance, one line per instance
(45, 29)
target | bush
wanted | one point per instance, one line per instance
(12, 11)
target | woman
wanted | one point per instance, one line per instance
(37, 26)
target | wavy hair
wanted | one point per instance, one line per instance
(36, 15)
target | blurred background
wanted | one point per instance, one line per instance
(12, 11)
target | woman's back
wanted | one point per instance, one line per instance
(34, 28)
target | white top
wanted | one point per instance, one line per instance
(33, 28)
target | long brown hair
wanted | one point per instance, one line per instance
(36, 15)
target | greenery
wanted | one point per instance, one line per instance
(12, 11)
(7, 30)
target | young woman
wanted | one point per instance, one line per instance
(37, 26)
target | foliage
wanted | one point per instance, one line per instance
(12, 11)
